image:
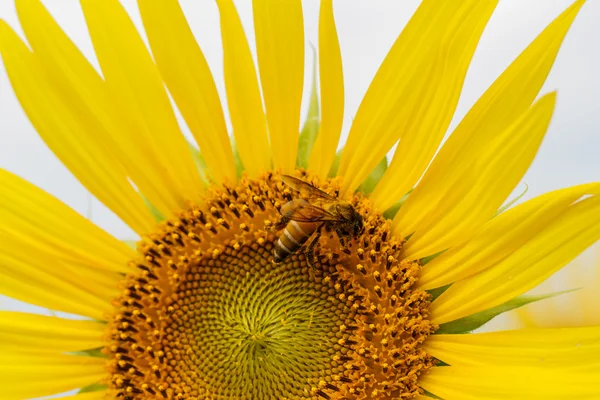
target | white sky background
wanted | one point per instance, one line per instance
(569, 155)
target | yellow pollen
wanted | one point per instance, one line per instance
(209, 314)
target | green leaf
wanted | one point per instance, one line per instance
(94, 387)
(474, 321)
(513, 201)
(309, 131)
(336, 164)
(368, 185)
(391, 212)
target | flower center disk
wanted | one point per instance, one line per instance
(208, 314)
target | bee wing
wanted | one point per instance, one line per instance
(306, 189)
(302, 211)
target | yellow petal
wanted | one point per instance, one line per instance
(243, 94)
(406, 82)
(526, 364)
(480, 191)
(545, 253)
(25, 376)
(428, 123)
(43, 222)
(99, 281)
(135, 86)
(74, 80)
(279, 30)
(34, 333)
(61, 289)
(500, 236)
(507, 99)
(574, 309)
(332, 93)
(500, 383)
(571, 348)
(190, 82)
(71, 132)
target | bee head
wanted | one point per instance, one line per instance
(357, 225)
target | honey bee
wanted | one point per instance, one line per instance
(306, 217)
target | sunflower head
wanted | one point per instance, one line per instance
(210, 314)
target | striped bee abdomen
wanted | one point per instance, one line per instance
(293, 237)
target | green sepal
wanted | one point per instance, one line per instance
(428, 259)
(368, 185)
(97, 352)
(132, 244)
(513, 201)
(153, 210)
(94, 387)
(391, 212)
(433, 396)
(474, 321)
(336, 164)
(239, 167)
(310, 129)
(435, 293)
(200, 164)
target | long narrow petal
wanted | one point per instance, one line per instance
(74, 80)
(32, 333)
(508, 98)
(424, 132)
(279, 29)
(407, 81)
(61, 289)
(136, 88)
(548, 251)
(243, 93)
(480, 191)
(524, 364)
(577, 308)
(501, 236)
(332, 93)
(71, 133)
(25, 376)
(571, 348)
(97, 281)
(42, 221)
(500, 383)
(188, 77)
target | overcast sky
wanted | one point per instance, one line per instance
(367, 29)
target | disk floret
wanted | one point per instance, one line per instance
(208, 314)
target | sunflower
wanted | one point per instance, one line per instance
(200, 309)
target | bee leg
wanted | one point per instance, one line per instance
(341, 238)
(310, 249)
(279, 225)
